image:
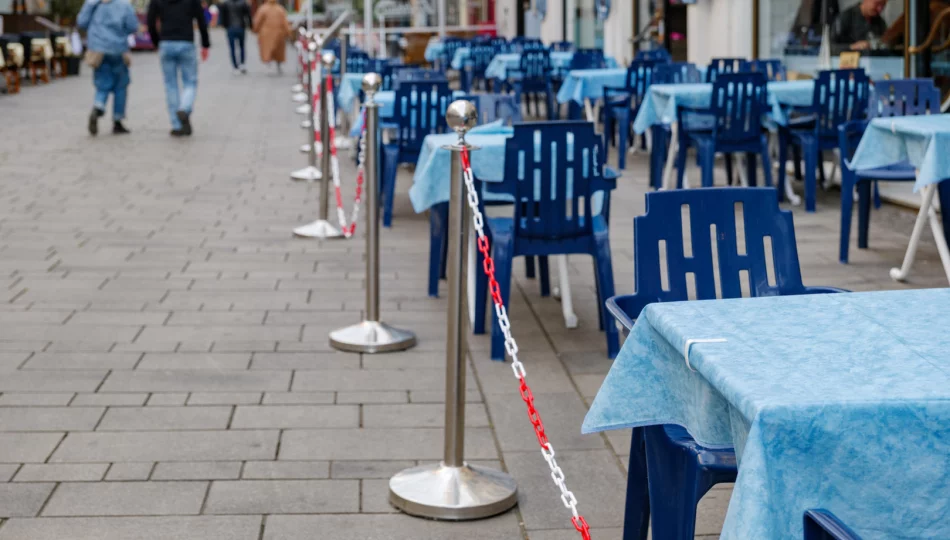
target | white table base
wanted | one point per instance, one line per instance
(925, 214)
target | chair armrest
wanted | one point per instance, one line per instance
(847, 133)
(610, 174)
(626, 308)
(818, 521)
(823, 290)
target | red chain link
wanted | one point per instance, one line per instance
(488, 266)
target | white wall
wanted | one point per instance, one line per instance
(506, 18)
(719, 28)
(618, 29)
(552, 26)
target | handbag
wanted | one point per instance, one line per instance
(93, 58)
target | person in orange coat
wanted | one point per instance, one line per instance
(272, 29)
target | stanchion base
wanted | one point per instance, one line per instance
(303, 109)
(371, 337)
(297, 88)
(437, 491)
(307, 174)
(305, 148)
(343, 142)
(305, 124)
(320, 228)
(299, 97)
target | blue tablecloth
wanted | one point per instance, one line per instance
(430, 183)
(835, 401)
(434, 50)
(581, 84)
(663, 100)
(924, 141)
(501, 63)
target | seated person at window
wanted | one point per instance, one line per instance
(860, 25)
(895, 34)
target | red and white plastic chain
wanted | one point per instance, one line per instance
(315, 71)
(511, 347)
(348, 228)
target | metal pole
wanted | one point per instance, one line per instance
(367, 24)
(310, 173)
(322, 228)
(344, 44)
(453, 489)
(371, 335)
(441, 19)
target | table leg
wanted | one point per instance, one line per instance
(567, 301)
(589, 110)
(668, 181)
(925, 214)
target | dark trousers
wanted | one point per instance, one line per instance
(235, 41)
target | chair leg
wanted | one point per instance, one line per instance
(544, 275)
(810, 151)
(609, 136)
(797, 165)
(783, 141)
(707, 159)
(438, 220)
(502, 252)
(657, 157)
(636, 516)
(681, 155)
(597, 296)
(605, 287)
(481, 293)
(673, 491)
(623, 125)
(847, 205)
(821, 170)
(943, 192)
(390, 169)
(766, 162)
(529, 267)
(750, 169)
(864, 213)
(729, 177)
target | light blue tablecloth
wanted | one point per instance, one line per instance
(434, 50)
(924, 141)
(350, 86)
(581, 84)
(430, 183)
(663, 100)
(849, 412)
(501, 63)
(461, 55)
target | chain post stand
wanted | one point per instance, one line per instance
(310, 173)
(372, 335)
(453, 489)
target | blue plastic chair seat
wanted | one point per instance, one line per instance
(821, 524)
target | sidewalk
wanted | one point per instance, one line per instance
(165, 367)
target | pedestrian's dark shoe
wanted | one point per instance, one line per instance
(94, 120)
(119, 129)
(177, 133)
(185, 122)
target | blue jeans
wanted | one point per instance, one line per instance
(111, 77)
(236, 40)
(179, 57)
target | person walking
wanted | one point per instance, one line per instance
(176, 50)
(108, 24)
(272, 29)
(236, 18)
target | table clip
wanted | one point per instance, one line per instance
(690, 342)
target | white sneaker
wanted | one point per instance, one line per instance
(236, 71)
(244, 69)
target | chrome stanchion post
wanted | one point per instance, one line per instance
(310, 173)
(372, 335)
(322, 228)
(453, 489)
(299, 86)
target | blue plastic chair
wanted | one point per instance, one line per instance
(773, 69)
(393, 72)
(533, 79)
(621, 105)
(823, 525)
(552, 171)
(659, 55)
(562, 46)
(908, 97)
(739, 101)
(490, 107)
(676, 73)
(840, 96)
(474, 70)
(419, 110)
(669, 471)
(719, 66)
(672, 73)
(500, 45)
(358, 62)
(449, 46)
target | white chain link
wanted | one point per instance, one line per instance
(511, 347)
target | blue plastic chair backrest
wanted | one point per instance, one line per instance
(903, 97)
(676, 73)
(392, 73)
(480, 56)
(639, 79)
(659, 55)
(449, 46)
(558, 165)
(378, 65)
(841, 95)
(535, 64)
(588, 59)
(531, 45)
(739, 100)
(821, 524)
(358, 62)
(731, 235)
(492, 107)
(419, 110)
(500, 45)
(773, 69)
(725, 65)
(562, 46)
(404, 76)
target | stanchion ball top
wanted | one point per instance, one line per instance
(461, 116)
(372, 82)
(328, 59)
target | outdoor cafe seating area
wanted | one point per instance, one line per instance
(35, 57)
(737, 388)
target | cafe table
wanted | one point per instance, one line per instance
(833, 401)
(922, 141)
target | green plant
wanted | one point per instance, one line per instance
(64, 12)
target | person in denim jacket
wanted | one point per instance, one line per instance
(108, 24)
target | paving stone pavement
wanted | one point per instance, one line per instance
(164, 364)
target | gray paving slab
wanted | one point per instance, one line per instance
(283, 497)
(23, 500)
(140, 528)
(295, 416)
(375, 444)
(49, 418)
(389, 527)
(61, 472)
(286, 470)
(197, 470)
(165, 446)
